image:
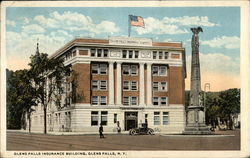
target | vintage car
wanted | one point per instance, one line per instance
(141, 130)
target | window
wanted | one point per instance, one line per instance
(125, 100)
(103, 85)
(92, 52)
(130, 69)
(99, 85)
(133, 100)
(99, 69)
(134, 69)
(136, 54)
(124, 53)
(159, 70)
(94, 118)
(104, 118)
(160, 55)
(165, 118)
(155, 70)
(133, 85)
(94, 85)
(130, 54)
(156, 118)
(155, 86)
(125, 85)
(94, 100)
(163, 101)
(94, 69)
(115, 118)
(166, 55)
(125, 70)
(99, 100)
(155, 101)
(154, 54)
(163, 86)
(103, 69)
(146, 118)
(59, 118)
(105, 53)
(99, 52)
(103, 100)
(130, 100)
(163, 70)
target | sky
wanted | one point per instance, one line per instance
(54, 27)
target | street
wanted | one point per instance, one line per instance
(17, 141)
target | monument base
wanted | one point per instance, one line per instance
(200, 129)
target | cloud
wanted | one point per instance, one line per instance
(217, 62)
(11, 23)
(48, 22)
(26, 20)
(190, 21)
(169, 25)
(20, 46)
(105, 26)
(216, 68)
(229, 42)
(33, 28)
(156, 26)
(74, 21)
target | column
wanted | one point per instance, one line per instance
(142, 91)
(118, 86)
(111, 83)
(149, 84)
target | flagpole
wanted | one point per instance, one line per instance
(129, 26)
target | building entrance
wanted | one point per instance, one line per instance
(130, 120)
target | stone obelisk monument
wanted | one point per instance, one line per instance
(195, 112)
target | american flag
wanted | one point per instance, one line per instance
(136, 21)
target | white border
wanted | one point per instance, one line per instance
(245, 69)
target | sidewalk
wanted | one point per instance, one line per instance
(68, 133)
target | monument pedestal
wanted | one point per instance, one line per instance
(196, 121)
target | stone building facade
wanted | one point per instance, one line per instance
(120, 80)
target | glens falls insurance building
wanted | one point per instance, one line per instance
(120, 80)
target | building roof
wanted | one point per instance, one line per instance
(146, 43)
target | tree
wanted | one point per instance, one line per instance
(13, 109)
(48, 76)
(19, 99)
(230, 105)
(212, 108)
(223, 105)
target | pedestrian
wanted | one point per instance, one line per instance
(101, 131)
(118, 127)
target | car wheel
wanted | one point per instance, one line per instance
(150, 132)
(132, 132)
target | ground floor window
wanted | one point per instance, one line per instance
(115, 118)
(104, 118)
(156, 118)
(94, 118)
(165, 118)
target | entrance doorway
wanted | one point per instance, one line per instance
(130, 120)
